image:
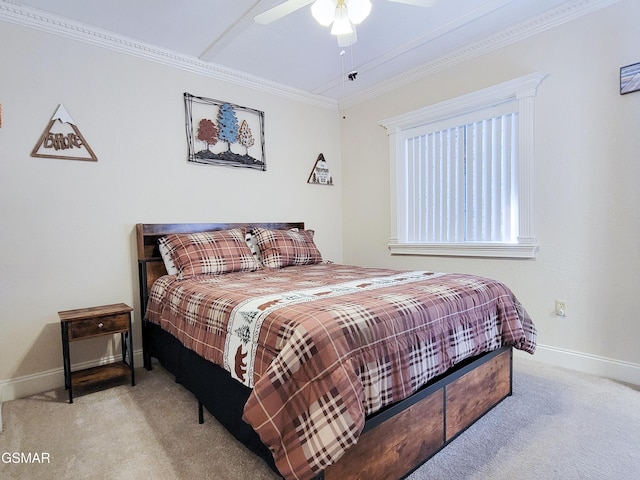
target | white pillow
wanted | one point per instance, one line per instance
(252, 241)
(166, 258)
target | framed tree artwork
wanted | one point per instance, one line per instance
(221, 133)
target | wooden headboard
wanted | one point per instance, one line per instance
(150, 265)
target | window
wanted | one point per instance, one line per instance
(462, 174)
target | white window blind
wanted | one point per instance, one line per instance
(462, 174)
(462, 183)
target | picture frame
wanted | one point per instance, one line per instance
(629, 78)
(223, 133)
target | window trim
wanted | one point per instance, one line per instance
(521, 90)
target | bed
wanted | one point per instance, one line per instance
(310, 364)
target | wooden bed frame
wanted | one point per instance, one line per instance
(413, 429)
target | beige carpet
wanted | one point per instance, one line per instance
(557, 425)
(147, 431)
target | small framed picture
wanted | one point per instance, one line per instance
(630, 78)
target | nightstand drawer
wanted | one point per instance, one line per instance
(91, 327)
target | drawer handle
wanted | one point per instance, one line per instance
(100, 325)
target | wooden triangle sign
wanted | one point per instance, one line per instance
(320, 173)
(62, 139)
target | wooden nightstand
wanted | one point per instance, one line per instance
(93, 322)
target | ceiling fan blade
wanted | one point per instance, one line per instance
(417, 3)
(280, 11)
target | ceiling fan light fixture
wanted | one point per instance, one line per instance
(324, 11)
(358, 10)
(341, 23)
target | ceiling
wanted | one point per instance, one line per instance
(295, 51)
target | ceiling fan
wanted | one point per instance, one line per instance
(338, 12)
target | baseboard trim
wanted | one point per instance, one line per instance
(582, 362)
(620, 370)
(49, 380)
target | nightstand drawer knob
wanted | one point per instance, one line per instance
(100, 325)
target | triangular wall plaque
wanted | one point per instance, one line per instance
(320, 173)
(62, 139)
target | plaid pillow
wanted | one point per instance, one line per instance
(210, 253)
(281, 248)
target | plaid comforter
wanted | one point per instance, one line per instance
(320, 365)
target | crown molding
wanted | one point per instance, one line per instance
(566, 12)
(13, 12)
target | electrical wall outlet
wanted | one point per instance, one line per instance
(561, 308)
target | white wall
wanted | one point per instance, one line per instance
(67, 226)
(587, 169)
(67, 231)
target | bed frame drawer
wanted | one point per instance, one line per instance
(394, 448)
(475, 393)
(415, 429)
